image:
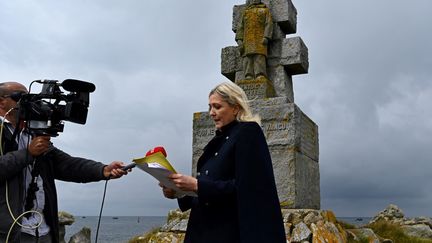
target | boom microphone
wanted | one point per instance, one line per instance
(150, 152)
(74, 85)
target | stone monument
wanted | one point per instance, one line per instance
(291, 135)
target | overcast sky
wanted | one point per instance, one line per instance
(153, 62)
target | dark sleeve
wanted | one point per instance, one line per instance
(212, 191)
(75, 169)
(13, 163)
(209, 191)
(260, 217)
(185, 203)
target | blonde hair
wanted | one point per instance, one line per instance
(235, 96)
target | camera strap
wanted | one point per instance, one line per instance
(32, 188)
(19, 126)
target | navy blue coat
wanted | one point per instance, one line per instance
(237, 198)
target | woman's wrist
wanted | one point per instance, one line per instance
(195, 189)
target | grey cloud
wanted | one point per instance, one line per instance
(370, 76)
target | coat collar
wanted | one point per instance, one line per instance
(227, 128)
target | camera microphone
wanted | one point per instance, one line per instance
(150, 152)
(74, 85)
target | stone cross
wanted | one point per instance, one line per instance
(286, 56)
(292, 136)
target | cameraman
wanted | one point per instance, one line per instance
(28, 167)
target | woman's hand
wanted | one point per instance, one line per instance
(184, 182)
(168, 192)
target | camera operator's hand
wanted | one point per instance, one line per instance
(39, 145)
(114, 170)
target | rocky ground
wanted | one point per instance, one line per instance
(308, 226)
(301, 226)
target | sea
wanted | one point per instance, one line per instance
(115, 229)
(357, 221)
(119, 229)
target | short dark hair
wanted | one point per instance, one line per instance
(3, 89)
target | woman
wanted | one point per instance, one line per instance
(237, 198)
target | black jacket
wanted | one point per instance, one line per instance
(237, 198)
(54, 165)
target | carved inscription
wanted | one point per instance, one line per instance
(254, 90)
(276, 126)
(204, 132)
(267, 127)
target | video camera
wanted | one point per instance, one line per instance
(45, 112)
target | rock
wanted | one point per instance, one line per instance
(365, 233)
(65, 218)
(83, 236)
(164, 237)
(177, 214)
(287, 216)
(300, 233)
(420, 227)
(391, 213)
(171, 224)
(288, 229)
(177, 221)
(297, 218)
(322, 228)
(418, 230)
(324, 232)
(312, 217)
(180, 226)
(328, 215)
(423, 220)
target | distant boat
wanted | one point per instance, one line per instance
(83, 217)
(115, 217)
(359, 219)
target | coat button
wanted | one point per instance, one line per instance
(216, 154)
(199, 173)
(206, 172)
(227, 137)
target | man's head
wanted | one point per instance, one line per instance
(9, 96)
